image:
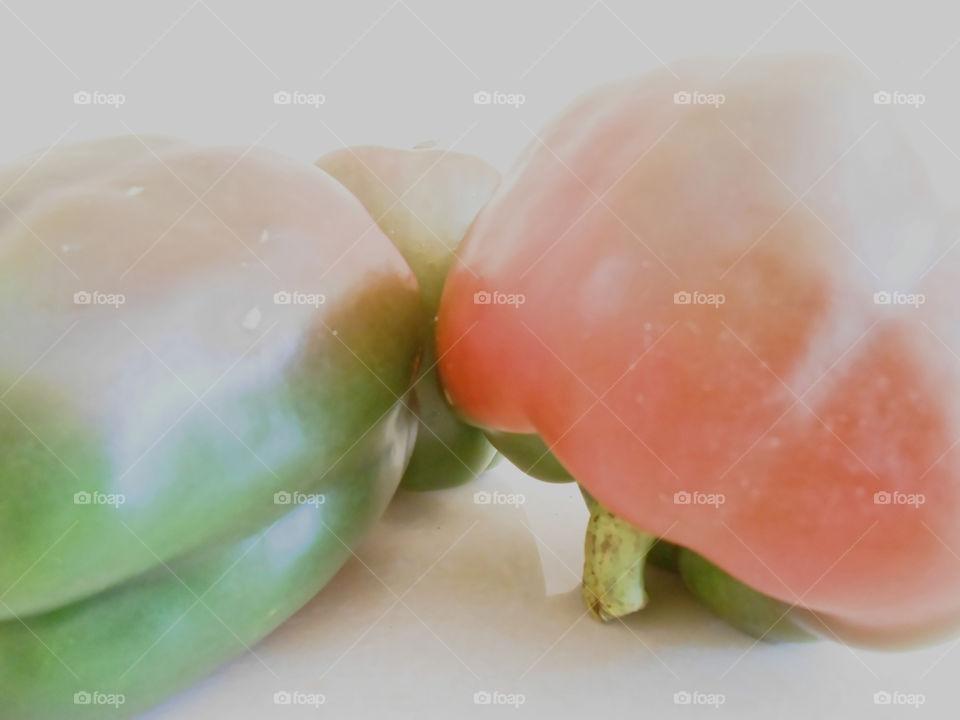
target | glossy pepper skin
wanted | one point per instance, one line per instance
(708, 314)
(424, 200)
(184, 467)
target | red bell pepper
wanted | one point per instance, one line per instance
(728, 308)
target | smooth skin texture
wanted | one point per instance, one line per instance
(149, 638)
(424, 200)
(799, 398)
(220, 380)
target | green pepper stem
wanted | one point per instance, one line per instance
(616, 553)
(614, 558)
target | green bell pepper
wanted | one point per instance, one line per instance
(425, 200)
(204, 356)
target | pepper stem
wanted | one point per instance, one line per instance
(614, 558)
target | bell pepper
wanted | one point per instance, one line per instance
(204, 355)
(726, 305)
(424, 200)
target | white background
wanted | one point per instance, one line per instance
(491, 601)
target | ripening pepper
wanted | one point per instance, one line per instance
(204, 355)
(726, 304)
(424, 200)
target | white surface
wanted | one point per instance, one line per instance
(448, 598)
(484, 606)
